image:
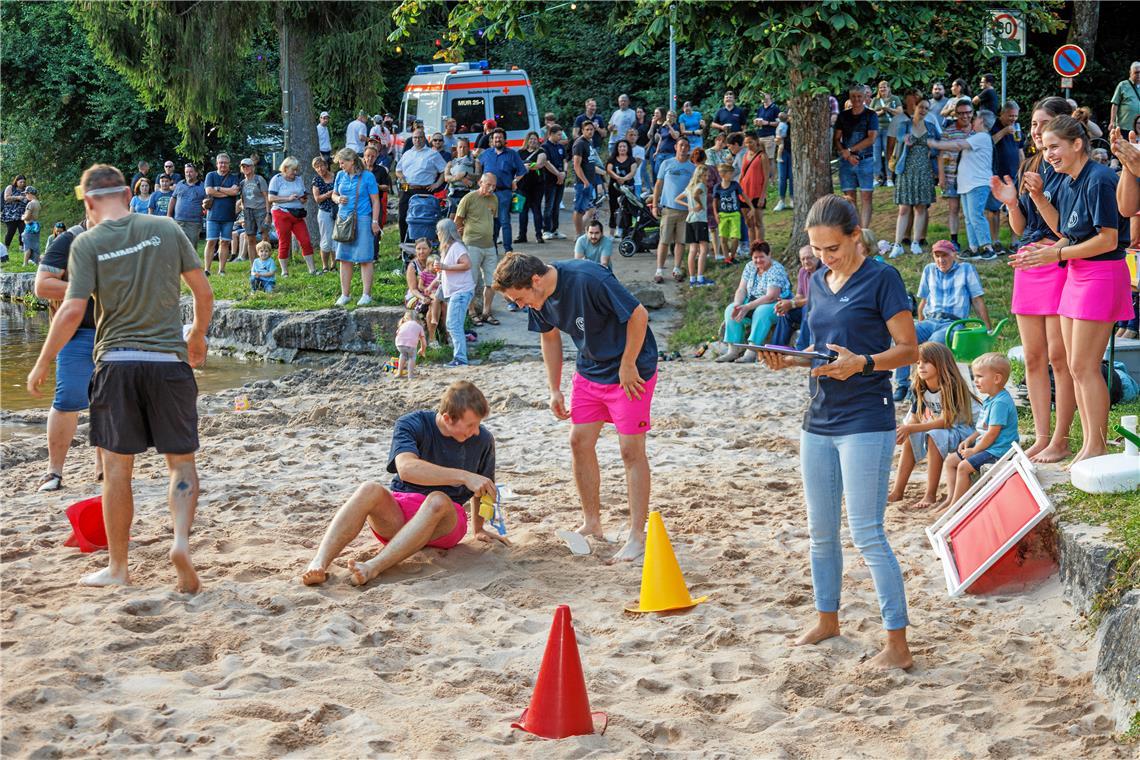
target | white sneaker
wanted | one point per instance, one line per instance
(433, 344)
(915, 248)
(548, 236)
(890, 183)
(779, 206)
(342, 301)
(897, 250)
(791, 204)
(364, 300)
(559, 236)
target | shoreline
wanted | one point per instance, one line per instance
(256, 664)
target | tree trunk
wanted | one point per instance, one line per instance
(811, 162)
(1086, 18)
(300, 133)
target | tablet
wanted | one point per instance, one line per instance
(828, 357)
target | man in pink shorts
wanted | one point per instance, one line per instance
(440, 460)
(615, 377)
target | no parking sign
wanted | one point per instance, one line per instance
(1069, 60)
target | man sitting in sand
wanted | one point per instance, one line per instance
(440, 460)
(614, 382)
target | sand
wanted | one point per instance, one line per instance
(439, 656)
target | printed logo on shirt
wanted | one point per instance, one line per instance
(844, 299)
(153, 241)
(1072, 219)
(580, 323)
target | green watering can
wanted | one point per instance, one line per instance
(968, 344)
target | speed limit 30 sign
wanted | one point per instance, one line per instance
(1006, 36)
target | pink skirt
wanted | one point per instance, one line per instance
(1097, 291)
(1037, 291)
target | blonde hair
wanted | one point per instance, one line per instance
(289, 163)
(995, 362)
(263, 247)
(348, 154)
(462, 396)
(957, 406)
(700, 174)
(410, 315)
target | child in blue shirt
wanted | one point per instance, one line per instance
(263, 270)
(996, 430)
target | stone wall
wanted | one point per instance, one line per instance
(15, 285)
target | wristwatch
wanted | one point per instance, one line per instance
(869, 366)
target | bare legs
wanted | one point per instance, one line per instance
(119, 511)
(587, 477)
(60, 432)
(1085, 342)
(223, 249)
(906, 467)
(864, 209)
(373, 503)
(953, 220)
(1041, 336)
(698, 253)
(366, 272)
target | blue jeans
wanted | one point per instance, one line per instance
(933, 330)
(457, 305)
(785, 167)
(865, 459)
(786, 324)
(974, 214)
(879, 154)
(503, 220)
(763, 319)
(858, 177)
(552, 202)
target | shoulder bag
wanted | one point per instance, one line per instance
(344, 230)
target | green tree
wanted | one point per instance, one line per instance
(804, 50)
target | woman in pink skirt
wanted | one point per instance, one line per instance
(1093, 236)
(1037, 292)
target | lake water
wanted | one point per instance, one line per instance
(22, 334)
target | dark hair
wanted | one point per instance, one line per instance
(527, 138)
(517, 270)
(1054, 106)
(736, 138)
(17, 178)
(628, 149)
(761, 246)
(965, 88)
(462, 396)
(552, 129)
(681, 139)
(594, 223)
(833, 211)
(989, 78)
(1069, 129)
(499, 131)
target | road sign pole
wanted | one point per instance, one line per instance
(1004, 62)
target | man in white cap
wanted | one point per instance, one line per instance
(324, 142)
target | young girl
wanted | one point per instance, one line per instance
(409, 337)
(694, 198)
(941, 416)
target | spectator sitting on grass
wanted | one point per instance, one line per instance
(263, 269)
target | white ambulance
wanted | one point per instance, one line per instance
(470, 93)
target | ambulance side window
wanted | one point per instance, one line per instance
(511, 113)
(469, 113)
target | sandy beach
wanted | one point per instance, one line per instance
(438, 657)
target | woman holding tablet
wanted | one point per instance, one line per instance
(1096, 294)
(859, 306)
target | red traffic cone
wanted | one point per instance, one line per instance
(88, 531)
(560, 706)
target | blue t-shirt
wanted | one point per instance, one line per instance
(505, 166)
(1035, 226)
(1007, 154)
(140, 205)
(347, 186)
(734, 119)
(159, 203)
(188, 205)
(674, 176)
(854, 129)
(767, 113)
(590, 305)
(692, 124)
(1088, 203)
(998, 409)
(223, 209)
(417, 433)
(727, 198)
(855, 318)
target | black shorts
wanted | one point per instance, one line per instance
(137, 405)
(696, 232)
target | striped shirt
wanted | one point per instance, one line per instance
(949, 293)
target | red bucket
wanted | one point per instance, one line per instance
(88, 531)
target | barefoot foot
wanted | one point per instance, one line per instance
(1037, 447)
(892, 657)
(592, 530)
(360, 574)
(187, 578)
(817, 633)
(632, 551)
(105, 577)
(314, 575)
(1049, 454)
(894, 496)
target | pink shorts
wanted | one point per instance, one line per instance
(410, 503)
(1037, 291)
(1097, 291)
(596, 402)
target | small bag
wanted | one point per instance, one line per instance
(344, 230)
(300, 213)
(207, 202)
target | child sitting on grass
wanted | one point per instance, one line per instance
(996, 429)
(409, 337)
(941, 416)
(263, 269)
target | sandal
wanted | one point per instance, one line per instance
(50, 482)
(478, 321)
(491, 321)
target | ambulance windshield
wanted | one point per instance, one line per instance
(421, 106)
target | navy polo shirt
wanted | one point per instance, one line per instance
(767, 113)
(1035, 226)
(855, 318)
(592, 307)
(734, 118)
(1007, 155)
(505, 166)
(1088, 203)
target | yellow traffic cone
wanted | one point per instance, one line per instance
(662, 585)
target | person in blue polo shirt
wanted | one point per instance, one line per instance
(947, 290)
(731, 117)
(615, 375)
(507, 167)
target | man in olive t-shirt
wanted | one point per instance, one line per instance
(475, 218)
(143, 392)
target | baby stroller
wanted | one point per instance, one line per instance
(423, 212)
(640, 229)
